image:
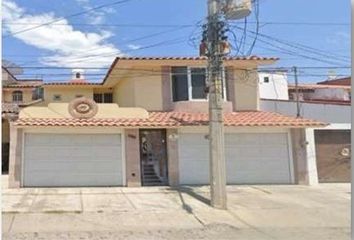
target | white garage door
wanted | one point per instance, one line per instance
(251, 158)
(72, 160)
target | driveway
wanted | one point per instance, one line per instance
(254, 212)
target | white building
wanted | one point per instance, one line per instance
(273, 85)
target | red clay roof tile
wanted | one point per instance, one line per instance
(177, 119)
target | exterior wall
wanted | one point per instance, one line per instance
(26, 94)
(67, 94)
(148, 92)
(123, 93)
(329, 113)
(331, 94)
(132, 156)
(166, 85)
(153, 91)
(15, 159)
(172, 156)
(304, 155)
(246, 90)
(276, 88)
(5, 131)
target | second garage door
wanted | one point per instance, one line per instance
(72, 160)
(251, 158)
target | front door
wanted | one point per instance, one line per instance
(153, 157)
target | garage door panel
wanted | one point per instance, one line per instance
(248, 177)
(78, 165)
(50, 158)
(275, 151)
(253, 158)
(274, 139)
(46, 180)
(240, 139)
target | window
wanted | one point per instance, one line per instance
(37, 94)
(103, 97)
(17, 96)
(266, 79)
(108, 97)
(56, 97)
(189, 83)
(78, 75)
(198, 83)
(180, 84)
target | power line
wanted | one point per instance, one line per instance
(68, 16)
(105, 68)
(297, 46)
(179, 25)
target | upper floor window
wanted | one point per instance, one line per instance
(78, 75)
(266, 79)
(17, 96)
(189, 83)
(103, 97)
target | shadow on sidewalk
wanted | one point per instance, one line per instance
(191, 193)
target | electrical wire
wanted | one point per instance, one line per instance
(68, 16)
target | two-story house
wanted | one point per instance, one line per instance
(16, 94)
(147, 124)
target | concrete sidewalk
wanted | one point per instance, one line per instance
(255, 212)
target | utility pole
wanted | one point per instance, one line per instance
(297, 92)
(216, 123)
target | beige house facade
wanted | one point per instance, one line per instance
(148, 125)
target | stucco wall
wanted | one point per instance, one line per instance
(123, 93)
(26, 94)
(329, 113)
(246, 90)
(5, 128)
(67, 94)
(331, 93)
(132, 157)
(276, 88)
(140, 90)
(148, 92)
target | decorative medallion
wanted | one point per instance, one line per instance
(345, 152)
(83, 108)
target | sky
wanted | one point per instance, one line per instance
(312, 35)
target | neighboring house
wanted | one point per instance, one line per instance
(150, 127)
(327, 103)
(338, 82)
(16, 94)
(321, 92)
(273, 85)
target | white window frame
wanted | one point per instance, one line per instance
(189, 77)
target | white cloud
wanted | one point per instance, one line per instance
(133, 46)
(97, 16)
(70, 47)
